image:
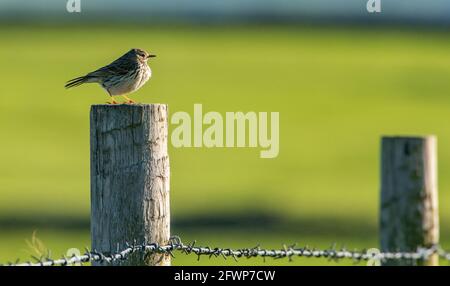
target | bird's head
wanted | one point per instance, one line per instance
(141, 55)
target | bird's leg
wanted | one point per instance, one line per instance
(128, 99)
(112, 101)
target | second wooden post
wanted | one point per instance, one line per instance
(409, 200)
(130, 179)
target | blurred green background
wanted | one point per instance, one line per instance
(338, 90)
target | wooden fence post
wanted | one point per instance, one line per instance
(409, 198)
(130, 179)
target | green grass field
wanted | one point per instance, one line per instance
(337, 90)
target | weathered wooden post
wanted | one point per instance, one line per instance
(409, 198)
(130, 179)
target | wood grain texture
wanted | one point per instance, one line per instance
(409, 199)
(130, 179)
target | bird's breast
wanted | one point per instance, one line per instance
(144, 75)
(130, 82)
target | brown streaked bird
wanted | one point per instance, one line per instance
(125, 75)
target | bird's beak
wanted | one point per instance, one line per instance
(151, 56)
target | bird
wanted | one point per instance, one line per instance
(123, 76)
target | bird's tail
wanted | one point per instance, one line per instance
(78, 81)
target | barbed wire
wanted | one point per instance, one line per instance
(175, 244)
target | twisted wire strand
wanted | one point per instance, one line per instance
(175, 244)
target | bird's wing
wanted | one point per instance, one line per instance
(117, 68)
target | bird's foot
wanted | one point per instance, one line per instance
(112, 102)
